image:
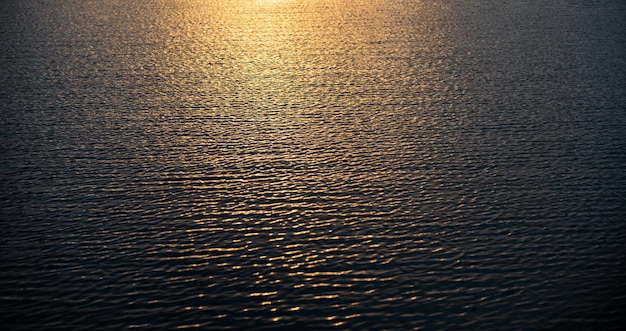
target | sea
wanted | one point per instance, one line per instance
(312, 165)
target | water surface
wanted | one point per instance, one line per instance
(312, 164)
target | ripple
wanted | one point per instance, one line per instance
(315, 165)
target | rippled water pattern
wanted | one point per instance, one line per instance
(312, 164)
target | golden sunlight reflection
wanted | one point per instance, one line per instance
(273, 49)
(269, 2)
(275, 85)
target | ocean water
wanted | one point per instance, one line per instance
(312, 165)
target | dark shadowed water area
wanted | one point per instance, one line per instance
(312, 165)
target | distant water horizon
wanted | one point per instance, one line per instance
(312, 165)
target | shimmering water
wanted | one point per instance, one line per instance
(312, 164)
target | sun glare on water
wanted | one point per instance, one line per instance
(269, 2)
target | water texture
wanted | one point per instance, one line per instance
(312, 164)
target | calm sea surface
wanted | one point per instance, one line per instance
(312, 164)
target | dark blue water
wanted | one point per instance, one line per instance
(303, 164)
